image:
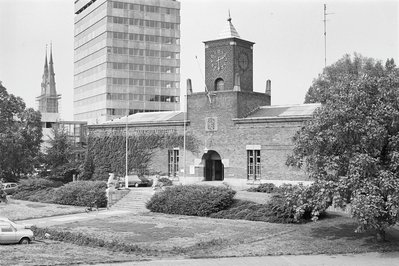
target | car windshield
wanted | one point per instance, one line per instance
(3, 219)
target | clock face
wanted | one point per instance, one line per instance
(243, 61)
(218, 60)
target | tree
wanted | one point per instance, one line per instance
(351, 147)
(20, 136)
(60, 159)
(346, 66)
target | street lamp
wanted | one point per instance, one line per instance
(126, 172)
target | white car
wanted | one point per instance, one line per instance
(12, 233)
(10, 188)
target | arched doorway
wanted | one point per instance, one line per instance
(213, 166)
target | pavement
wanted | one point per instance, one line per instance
(134, 202)
(365, 259)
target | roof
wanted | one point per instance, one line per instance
(229, 31)
(285, 111)
(151, 117)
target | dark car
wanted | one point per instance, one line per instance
(135, 180)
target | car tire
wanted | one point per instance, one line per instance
(24, 241)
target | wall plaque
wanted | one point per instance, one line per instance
(211, 124)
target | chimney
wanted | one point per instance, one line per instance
(189, 87)
(268, 87)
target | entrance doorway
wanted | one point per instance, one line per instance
(213, 166)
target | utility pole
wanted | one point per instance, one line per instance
(325, 34)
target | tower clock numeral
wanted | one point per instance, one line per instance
(218, 60)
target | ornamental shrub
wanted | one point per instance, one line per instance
(191, 200)
(82, 193)
(292, 204)
(264, 188)
(166, 182)
(248, 210)
(299, 202)
(36, 189)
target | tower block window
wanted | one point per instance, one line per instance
(219, 84)
(253, 164)
(173, 162)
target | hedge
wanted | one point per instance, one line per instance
(36, 189)
(82, 193)
(264, 188)
(79, 193)
(196, 200)
(165, 181)
(83, 239)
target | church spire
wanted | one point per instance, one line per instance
(229, 31)
(48, 99)
(45, 74)
(51, 74)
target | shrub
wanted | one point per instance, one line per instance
(299, 202)
(272, 212)
(36, 189)
(82, 193)
(166, 182)
(191, 200)
(292, 204)
(264, 188)
(83, 239)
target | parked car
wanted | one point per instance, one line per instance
(9, 188)
(136, 181)
(12, 233)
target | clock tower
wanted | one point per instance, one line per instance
(229, 62)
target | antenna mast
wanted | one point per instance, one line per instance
(325, 33)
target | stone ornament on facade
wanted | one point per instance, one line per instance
(211, 124)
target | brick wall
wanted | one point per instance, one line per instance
(229, 138)
(229, 50)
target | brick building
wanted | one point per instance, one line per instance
(242, 138)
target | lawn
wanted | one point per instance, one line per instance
(20, 210)
(176, 236)
(171, 235)
(59, 253)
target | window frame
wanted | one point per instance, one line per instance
(173, 162)
(254, 165)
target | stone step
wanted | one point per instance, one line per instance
(134, 201)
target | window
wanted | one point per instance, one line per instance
(219, 84)
(173, 162)
(253, 165)
(6, 229)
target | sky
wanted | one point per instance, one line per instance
(288, 36)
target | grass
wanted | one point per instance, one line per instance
(20, 210)
(199, 236)
(137, 237)
(49, 252)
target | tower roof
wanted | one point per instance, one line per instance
(51, 74)
(229, 31)
(45, 62)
